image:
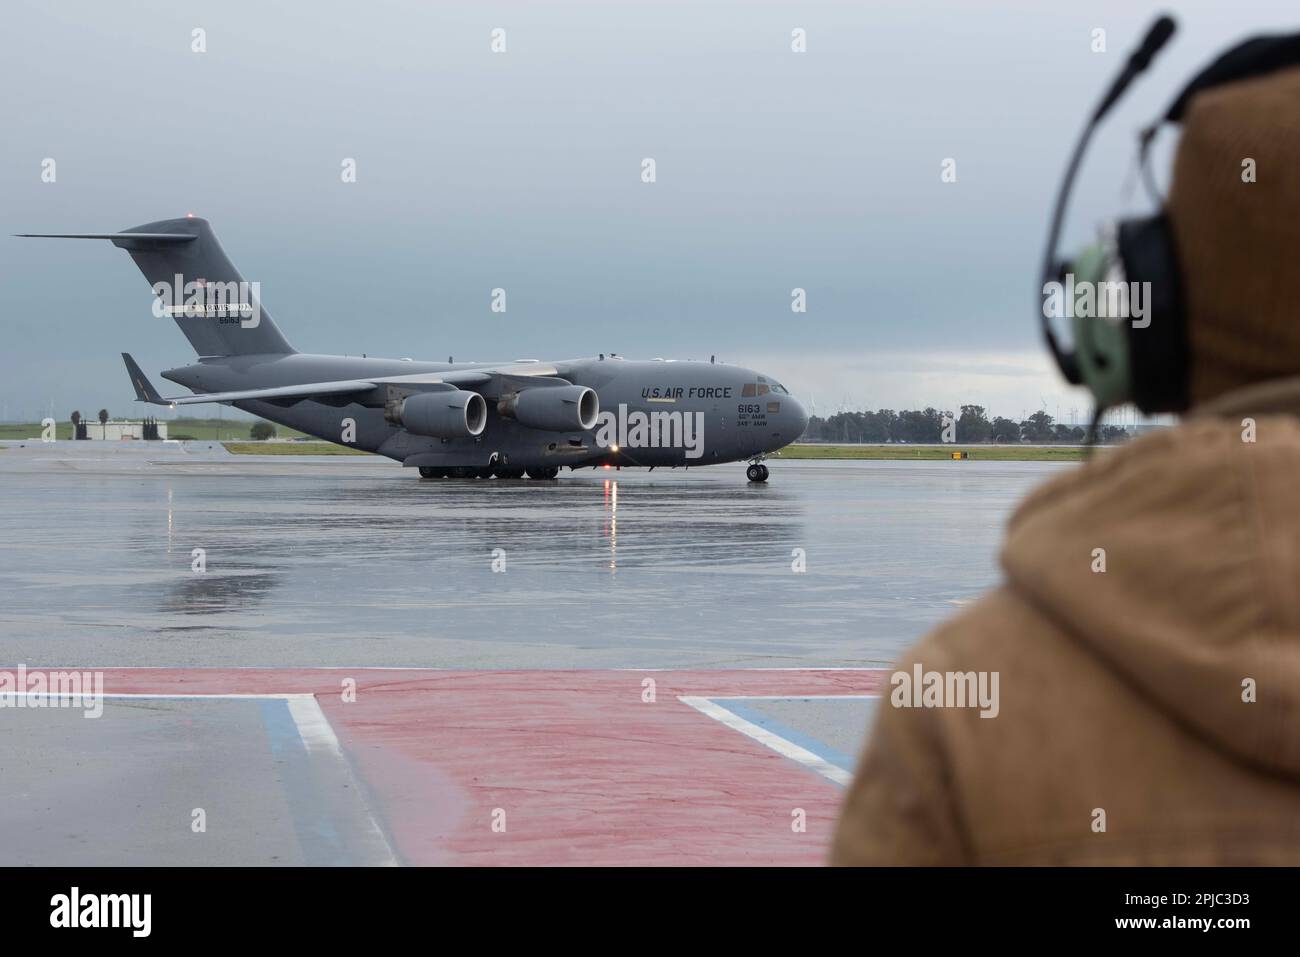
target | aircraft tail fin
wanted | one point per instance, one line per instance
(219, 312)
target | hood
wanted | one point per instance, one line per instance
(1201, 588)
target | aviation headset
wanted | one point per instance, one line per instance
(1118, 362)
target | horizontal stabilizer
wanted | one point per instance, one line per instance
(115, 237)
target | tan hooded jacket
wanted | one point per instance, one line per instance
(1124, 733)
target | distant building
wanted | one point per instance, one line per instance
(117, 430)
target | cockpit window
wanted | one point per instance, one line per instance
(778, 387)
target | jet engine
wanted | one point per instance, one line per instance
(558, 408)
(441, 415)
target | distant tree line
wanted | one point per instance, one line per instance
(926, 426)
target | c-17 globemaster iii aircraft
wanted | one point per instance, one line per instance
(462, 420)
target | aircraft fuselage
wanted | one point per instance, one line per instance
(653, 413)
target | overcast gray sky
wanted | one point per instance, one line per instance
(522, 170)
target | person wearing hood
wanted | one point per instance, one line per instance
(1146, 637)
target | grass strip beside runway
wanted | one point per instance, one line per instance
(986, 453)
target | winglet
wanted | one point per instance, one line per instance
(144, 390)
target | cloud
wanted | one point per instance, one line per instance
(1005, 383)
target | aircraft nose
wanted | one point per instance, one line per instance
(798, 418)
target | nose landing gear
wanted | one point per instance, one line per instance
(757, 472)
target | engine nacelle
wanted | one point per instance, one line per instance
(559, 408)
(440, 415)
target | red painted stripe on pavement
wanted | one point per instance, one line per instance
(576, 765)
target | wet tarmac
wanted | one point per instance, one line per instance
(227, 782)
(356, 561)
(362, 667)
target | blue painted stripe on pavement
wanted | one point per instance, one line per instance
(820, 748)
(317, 835)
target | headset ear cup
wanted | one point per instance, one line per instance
(1100, 340)
(1157, 340)
(1067, 360)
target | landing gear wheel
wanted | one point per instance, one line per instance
(757, 472)
(428, 471)
(510, 473)
(543, 473)
(765, 472)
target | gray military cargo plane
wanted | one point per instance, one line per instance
(460, 420)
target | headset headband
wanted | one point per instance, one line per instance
(1254, 57)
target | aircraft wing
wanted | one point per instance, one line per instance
(490, 381)
(145, 392)
(464, 378)
(304, 391)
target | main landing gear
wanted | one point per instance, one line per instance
(757, 472)
(500, 471)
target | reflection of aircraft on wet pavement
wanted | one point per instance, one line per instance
(462, 420)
